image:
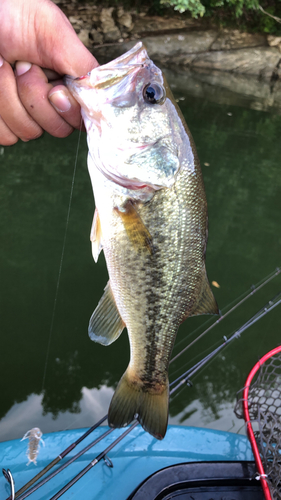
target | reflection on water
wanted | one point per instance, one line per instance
(225, 418)
(239, 150)
(229, 89)
(24, 416)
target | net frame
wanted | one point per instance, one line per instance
(258, 405)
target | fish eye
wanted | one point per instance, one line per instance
(153, 93)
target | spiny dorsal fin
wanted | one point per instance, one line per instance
(206, 303)
(106, 325)
(95, 236)
(136, 230)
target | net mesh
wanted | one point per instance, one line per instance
(264, 404)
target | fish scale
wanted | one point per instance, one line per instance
(151, 222)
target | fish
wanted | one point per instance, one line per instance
(34, 437)
(151, 223)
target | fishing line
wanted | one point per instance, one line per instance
(61, 260)
(255, 288)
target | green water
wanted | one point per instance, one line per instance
(64, 380)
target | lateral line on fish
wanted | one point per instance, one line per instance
(61, 259)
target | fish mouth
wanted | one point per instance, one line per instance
(136, 56)
(103, 77)
(67, 80)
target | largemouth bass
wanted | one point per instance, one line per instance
(150, 221)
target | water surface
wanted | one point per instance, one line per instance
(63, 380)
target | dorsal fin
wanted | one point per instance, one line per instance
(96, 236)
(206, 303)
(135, 228)
(106, 324)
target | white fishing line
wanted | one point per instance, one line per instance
(61, 260)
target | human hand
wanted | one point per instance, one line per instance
(35, 34)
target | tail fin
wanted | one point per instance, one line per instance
(151, 407)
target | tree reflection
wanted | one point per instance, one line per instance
(67, 393)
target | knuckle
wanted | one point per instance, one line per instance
(29, 129)
(8, 140)
(31, 135)
(61, 130)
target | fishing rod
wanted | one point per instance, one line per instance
(94, 462)
(30, 487)
(183, 379)
(254, 289)
(58, 458)
(66, 464)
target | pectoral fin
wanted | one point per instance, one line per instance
(136, 230)
(206, 303)
(96, 236)
(106, 325)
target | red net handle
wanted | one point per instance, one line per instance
(248, 423)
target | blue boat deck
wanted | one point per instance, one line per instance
(136, 457)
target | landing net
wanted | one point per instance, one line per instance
(260, 407)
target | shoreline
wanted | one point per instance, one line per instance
(244, 66)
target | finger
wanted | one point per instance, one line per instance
(51, 75)
(12, 111)
(30, 33)
(69, 56)
(33, 89)
(7, 138)
(65, 104)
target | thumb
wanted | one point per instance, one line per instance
(59, 46)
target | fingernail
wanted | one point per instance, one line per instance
(22, 67)
(60, 101)
(1, 61)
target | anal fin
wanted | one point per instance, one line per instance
(206, 303)
(106, 324)
(135, 228)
